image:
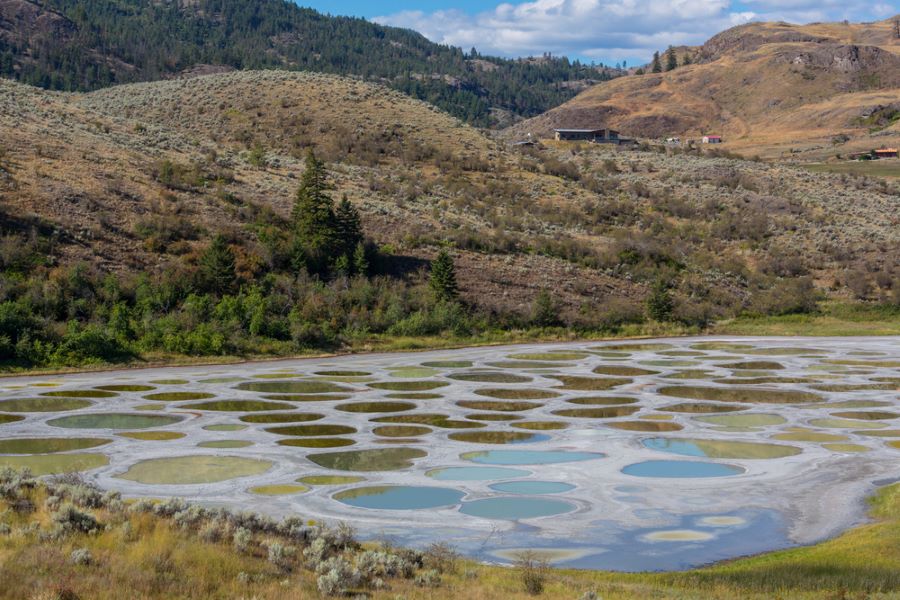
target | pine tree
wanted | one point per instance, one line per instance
(443, 277)
(313, 217)
(342, 265)
(687, 59)
(659, 303)
(217, 267)
(544, 311)
(671, 59)
(347, 227)
(360, 260)
(657, 67)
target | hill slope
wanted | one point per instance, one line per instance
(768, 88)
(138, 177)
(76, 45)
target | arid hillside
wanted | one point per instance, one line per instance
(137, 177)
(770, 89)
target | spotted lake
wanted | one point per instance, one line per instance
(660, 454)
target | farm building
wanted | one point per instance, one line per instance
(712, 139)
(600, 136)
(886, 153)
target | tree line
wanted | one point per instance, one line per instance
(123, 41)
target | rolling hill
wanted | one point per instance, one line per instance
(137, 177)
(76, 45)
(772, 89)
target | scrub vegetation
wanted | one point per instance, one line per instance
(100, 545)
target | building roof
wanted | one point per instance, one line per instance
(713, 136)
(890, 150)
(580, 130)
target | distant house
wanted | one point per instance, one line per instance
(712, 139)
(886, 153)
(600, 136)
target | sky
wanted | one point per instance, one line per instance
(607, 31)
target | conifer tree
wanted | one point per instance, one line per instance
(671, 59)
(443, 277)
(217, 267)
(313, 217)
(659, 303)
(360, 260)
(347, 227)
(544, 310)
(656, 67)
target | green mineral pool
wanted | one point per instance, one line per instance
(380, 459)
(54, 464)
(194, 469)
(720, 448)
(114, 421)
(43, 404)
(48, 445)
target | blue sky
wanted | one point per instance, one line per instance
(607, 31)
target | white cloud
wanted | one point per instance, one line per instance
(611, 29)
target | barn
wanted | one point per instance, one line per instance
(600, 136)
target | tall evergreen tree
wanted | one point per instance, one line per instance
(443, 277)
(659, 303)
(347, 227)
(671, 59)
(656, 67)
(217, 267)
(313, 218)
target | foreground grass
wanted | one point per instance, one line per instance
(832, 320)
(145, 555)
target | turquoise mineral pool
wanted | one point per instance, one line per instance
(513, 509)
(475, 473)
(391, 497)
(528, 457)
(532, 487)
(676, 469)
